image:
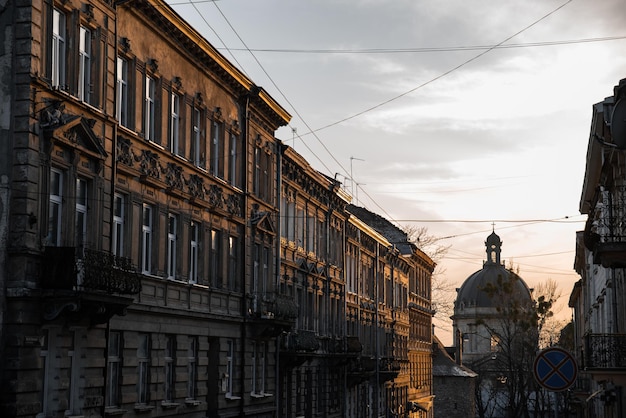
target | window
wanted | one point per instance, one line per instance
(143, 369)
(146, 240)
(55, 208)
(84, 64)
(170, 367)
(234, 161)
(172, 222)
(230, 367)
(114, 369)
(262, 180)
(259, 353)
(45, 375)
(81, 215)
(58, 53)
(265, 269)
(196, 136)
(149, 109)
(118, 225)
(76, 374)
(217, 150)
(193, 252)
(215, 268)
(233, 263)
(174, 123)
(122, 92)
(192, 368)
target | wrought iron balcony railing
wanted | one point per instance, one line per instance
(605, 351)
(84, 270)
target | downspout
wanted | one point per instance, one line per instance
(112, 203)
(377, 335)
(246, 236)
(279, 186)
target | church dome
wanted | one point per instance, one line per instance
(472, 295)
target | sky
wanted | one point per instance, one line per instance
(460, 116)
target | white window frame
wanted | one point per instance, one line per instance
(192, 368)
(77, 382)
(149, 109)
(193, 251)
(216, 151)
(55, 208)
(172, 225)
(118, 225)
(195, 136)
(233, 258)
(232, 164)
(114, 368)
(84, 64)
(259, 355)
(81, 213)
(175, 123)
(121, 111)
(58, 53)
(143, 369)
(169, 365)
(146, 239)
(230, 366)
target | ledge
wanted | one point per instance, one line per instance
(114, 411)
(193, 402)
(143, 408)
(232, 397)
(169, 405)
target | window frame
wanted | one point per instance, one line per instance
(149, 125)
(58, 53)
(114, 369)
(122, 91)
(194, 248)
(169, 369)
(117, 233)
(55, 208)
(192, 368)
(172, 250)
(144, 347)
(195, 149)
(84, 63)
(146, 238)
(175, 116)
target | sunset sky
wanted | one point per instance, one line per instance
(459, 116)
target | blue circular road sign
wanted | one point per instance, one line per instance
(555, 369)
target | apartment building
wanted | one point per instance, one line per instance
(163, 254)
(599, 315)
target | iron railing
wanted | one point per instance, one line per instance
(605, 351)
(78, 269)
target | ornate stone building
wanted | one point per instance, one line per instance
(163, 254)
(599, 315)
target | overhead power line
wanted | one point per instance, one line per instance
(429, 49)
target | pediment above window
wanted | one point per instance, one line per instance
(73, 131)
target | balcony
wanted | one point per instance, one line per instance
(271, 313)
(605, 232)
(605, 356)
(87, 284)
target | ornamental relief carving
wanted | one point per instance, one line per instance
(148, 164)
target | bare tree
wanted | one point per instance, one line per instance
(443, 292)
(515, 327)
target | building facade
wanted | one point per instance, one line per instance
(163, 254)
(599, 316)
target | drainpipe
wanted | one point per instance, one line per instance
(377, 335)
(245, 126)
(279, 186)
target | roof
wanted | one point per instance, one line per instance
(445, 366)
(392, 233)
(472, 294)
